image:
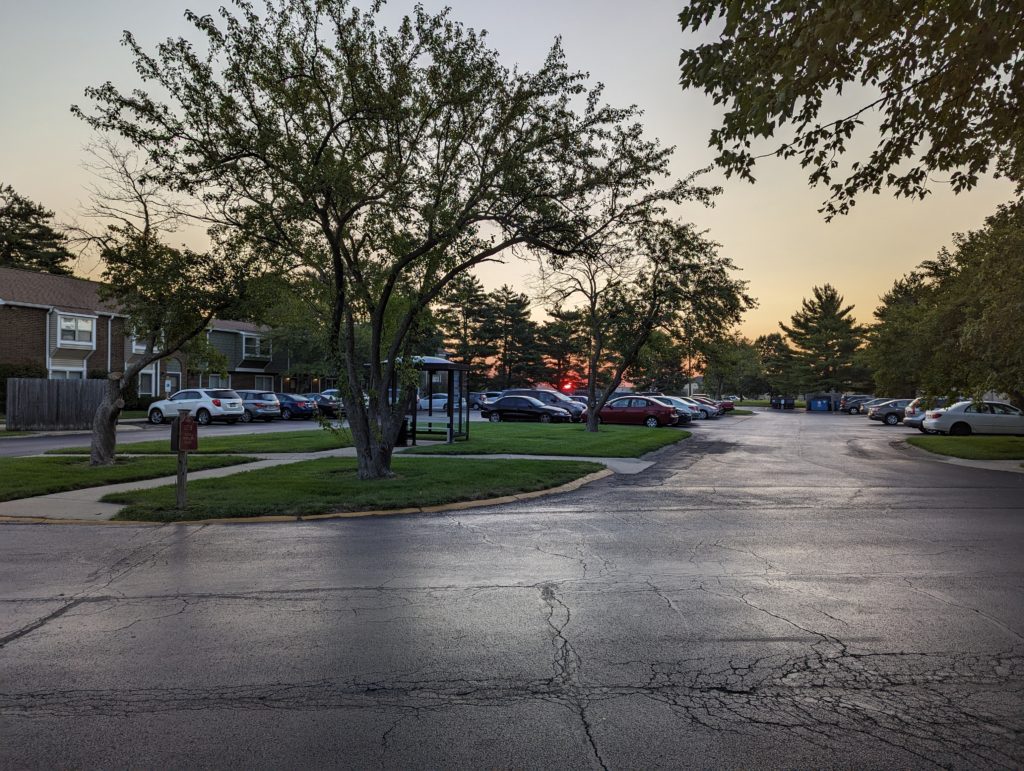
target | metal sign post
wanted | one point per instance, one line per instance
(184, 439)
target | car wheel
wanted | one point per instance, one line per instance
(924, 430)
(851, 411)
(203, 417)
(545, 418)
(286, 414)
(892, 419)
(495, 417)
(960, 429)
(156, 417)
(247, 417)
(704, 414)
(651, 422)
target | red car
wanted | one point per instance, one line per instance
(639, 411)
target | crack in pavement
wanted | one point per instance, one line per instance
(911, 701)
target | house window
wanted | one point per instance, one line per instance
(264, 382)
(145, 384)
(66, 374)
(138, 345)
(77, 330)
(255, 347)
(218, 381)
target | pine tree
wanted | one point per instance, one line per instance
(460, 317)
(27, 239)
(508, 328)
(825, 338)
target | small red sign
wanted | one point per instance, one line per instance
(184, 434)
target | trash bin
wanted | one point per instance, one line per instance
(403, 433)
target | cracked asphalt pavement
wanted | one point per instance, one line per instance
(784, 590)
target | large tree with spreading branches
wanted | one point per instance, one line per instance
(388, 162)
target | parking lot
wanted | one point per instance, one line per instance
(784, 589)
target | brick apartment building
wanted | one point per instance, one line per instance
(59, 325)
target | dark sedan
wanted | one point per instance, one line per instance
(296, 406)
(327, 405)
(523, 408)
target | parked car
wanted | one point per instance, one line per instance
(890, 412)
(861, 408)
(714, 410)
(582, 399)
(509, 408)
(681, 407)
(913, 416)
(969, 417)
(639, 411)
(204, 404)
(477, 399)
(704, 411)
(328, 406)
(552, 399)
(296, 406)
(850, 403)
(263, 405)
(436, 403)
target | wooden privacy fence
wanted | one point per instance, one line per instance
(35, 404)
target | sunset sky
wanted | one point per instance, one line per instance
(50, 50)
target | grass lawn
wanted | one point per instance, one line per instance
(134, 414)
(285, 441)
(331, 485)
(26, 477)
(973, 447)
(558, 439)
(6, 433)
(737, 412)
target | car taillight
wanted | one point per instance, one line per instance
(259, 404)
(216, 402)
(933, 415)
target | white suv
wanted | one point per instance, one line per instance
(206, 404)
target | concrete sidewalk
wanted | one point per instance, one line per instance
(85, 504)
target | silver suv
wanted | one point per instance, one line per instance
(260, 405)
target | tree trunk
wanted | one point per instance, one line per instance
(103, 448)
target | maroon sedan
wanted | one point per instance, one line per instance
(638, 411)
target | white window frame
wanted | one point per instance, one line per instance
(151, 371)
(64, 373)
(258, 378)
(211, 384)
(76, 343)
(264, 347)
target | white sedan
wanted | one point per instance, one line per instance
(436, 403)
(966, 418)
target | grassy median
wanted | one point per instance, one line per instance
(283, 441)
(972, 447)
(27, 477)
(557, 439)
(331, 485)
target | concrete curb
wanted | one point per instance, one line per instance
(568, 487)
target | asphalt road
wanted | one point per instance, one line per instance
(781, 591)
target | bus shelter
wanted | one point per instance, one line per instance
(445, 418)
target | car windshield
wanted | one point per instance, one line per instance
(224, 394)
